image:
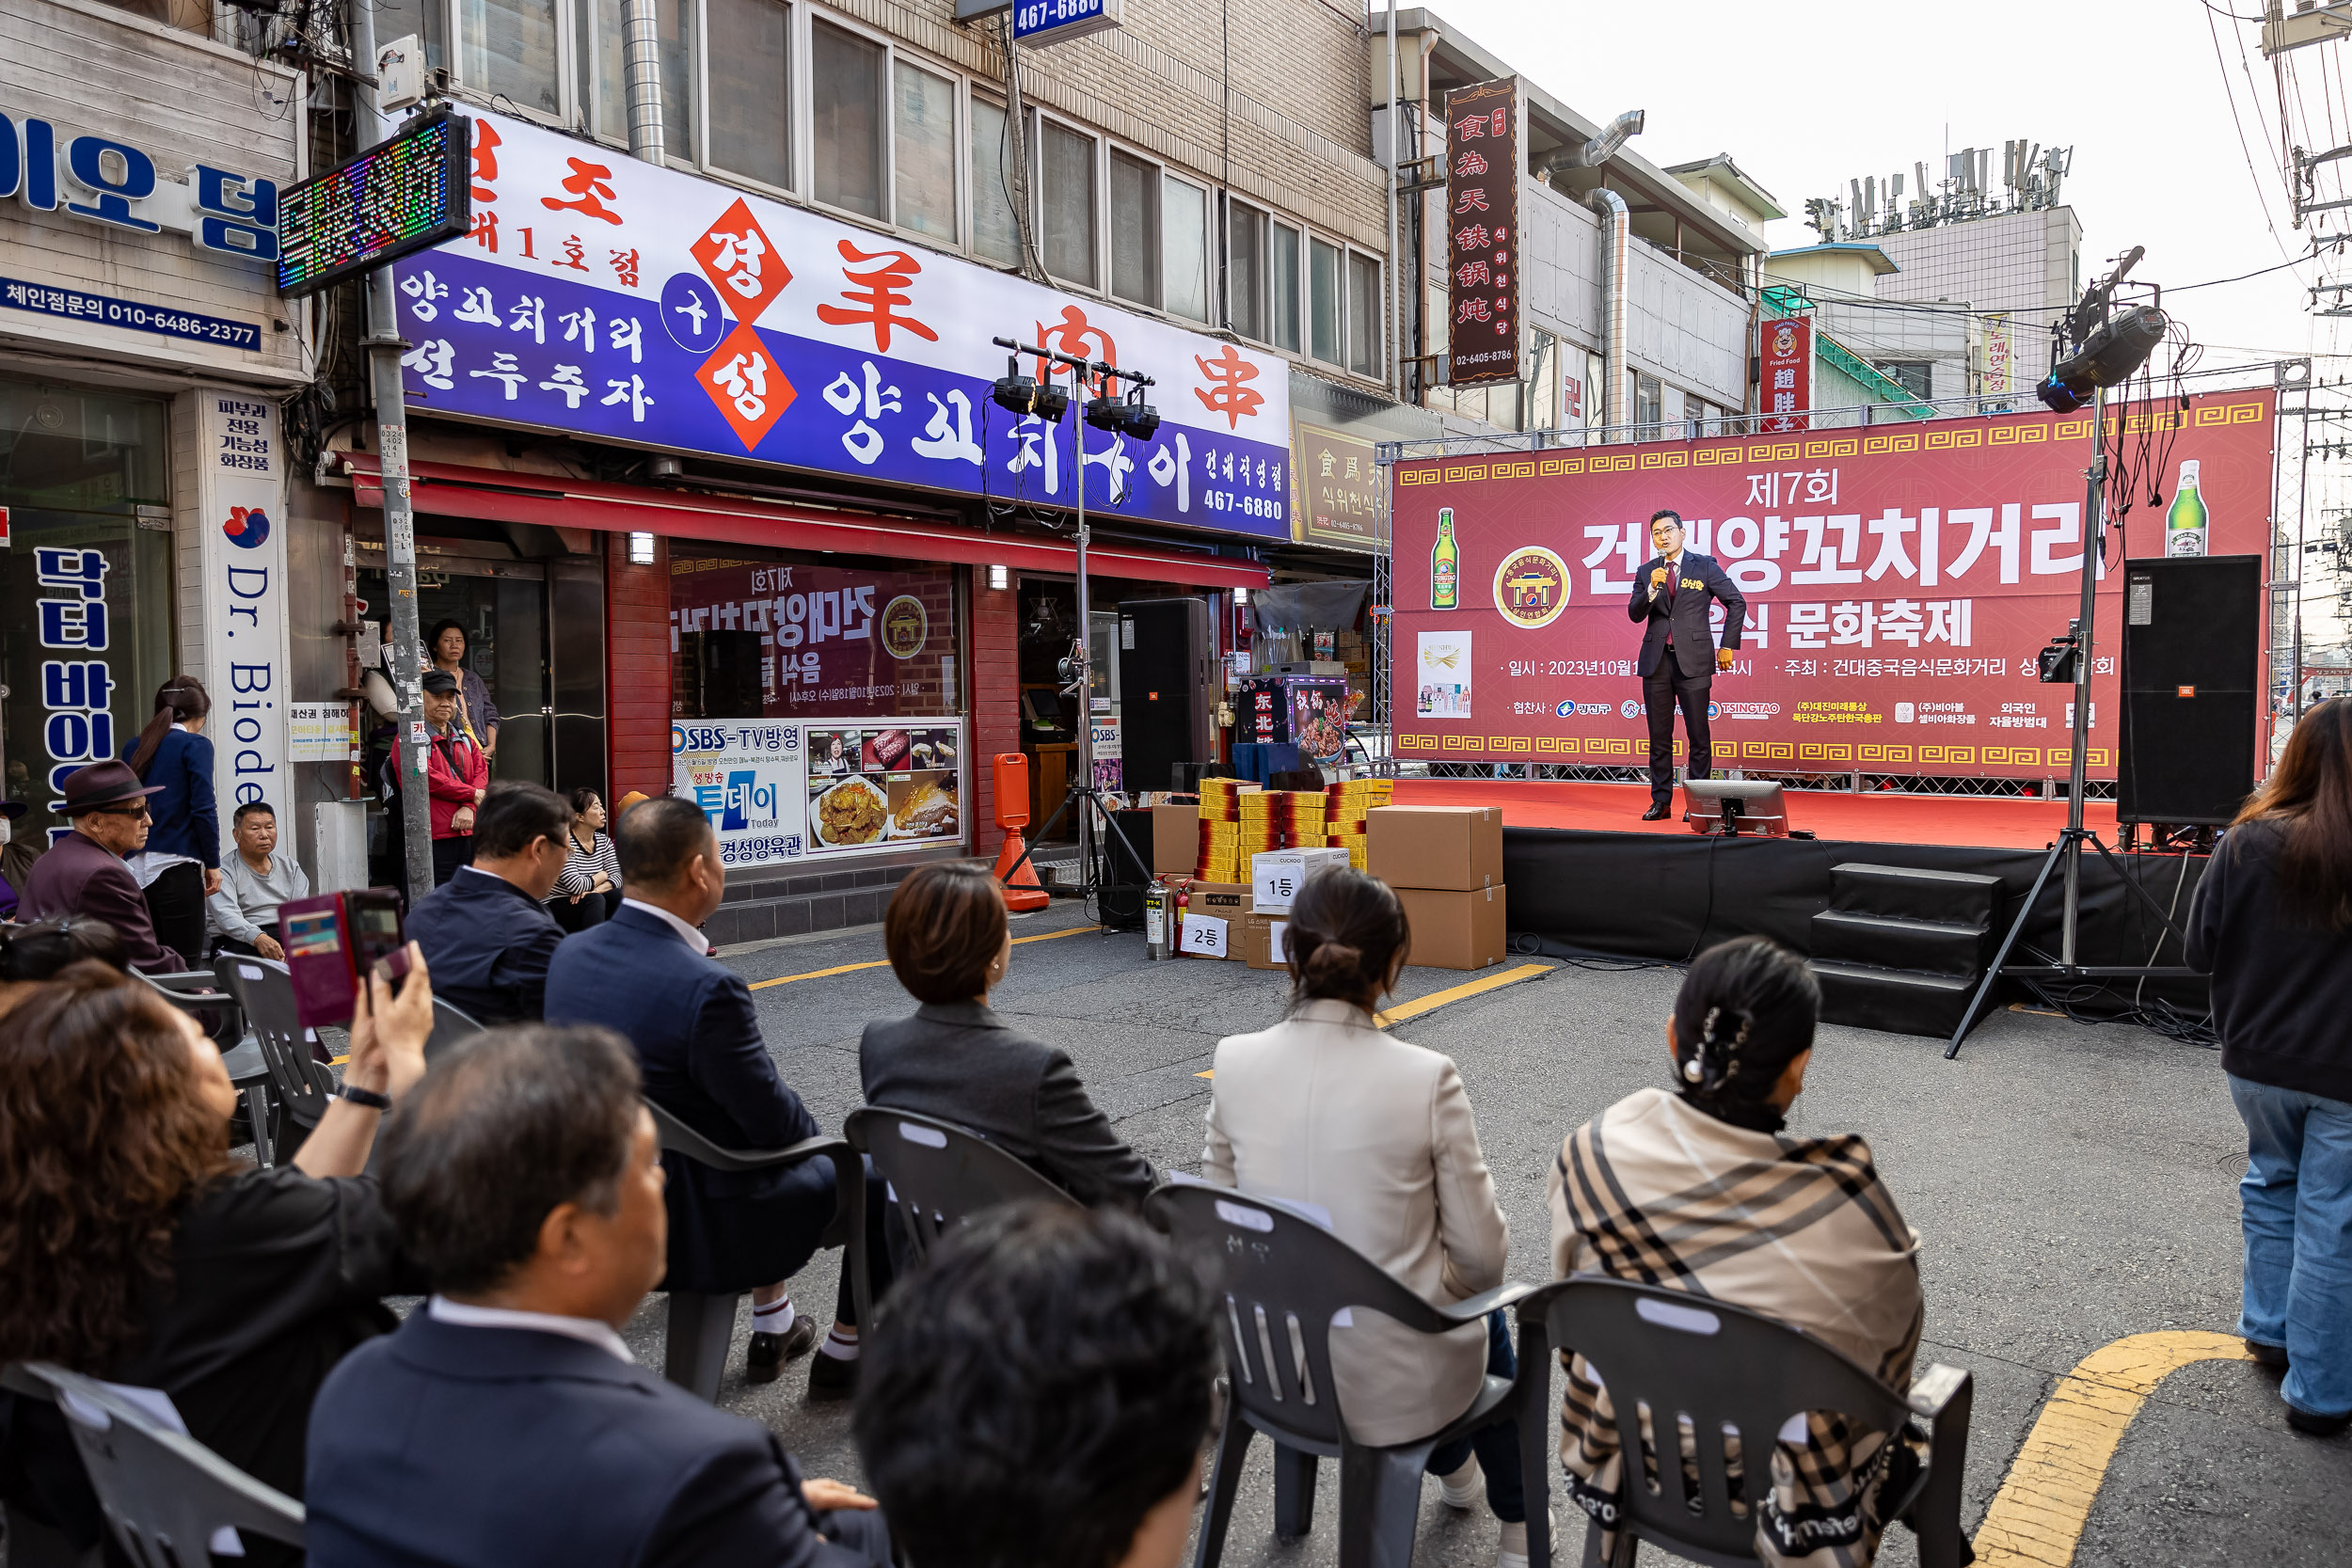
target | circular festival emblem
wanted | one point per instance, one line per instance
(1530, 587)
(906, 626)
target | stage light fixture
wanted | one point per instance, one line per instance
(1138, 418)
(1104, 413)
(2110, 356)
(2054, 665)
(1013, 392)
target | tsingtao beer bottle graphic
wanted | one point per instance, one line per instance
(1445, 565)
(2184, 525)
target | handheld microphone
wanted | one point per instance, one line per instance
(1656, 581)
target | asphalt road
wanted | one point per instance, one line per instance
(2073, 1186)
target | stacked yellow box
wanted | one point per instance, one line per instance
(1226, 841)
(1290, 820)
(1345, 803)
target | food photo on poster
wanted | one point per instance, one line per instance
(1898, 586)
(777, 792)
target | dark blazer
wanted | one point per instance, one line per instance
(2282, 989)
(187, 815)
(456, 1446)
(1702, 582)
(488, 944)
(960, 1062)
(81, 876)
(698, 1045)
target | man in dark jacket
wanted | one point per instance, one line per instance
(486, 931)
(646, 972)
(1678, 654)
(83, 872)
(505, 1425)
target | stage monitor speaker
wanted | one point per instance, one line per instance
(1167, 701)
(2192, 688)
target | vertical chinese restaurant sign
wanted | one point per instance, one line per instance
(1482, 204)
(1787, 374)
(1899, 584)
(602, 296)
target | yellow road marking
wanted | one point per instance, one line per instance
(884, 963)
(2037, 1515)
(1437, 999)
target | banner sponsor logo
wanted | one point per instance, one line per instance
(1530, 587)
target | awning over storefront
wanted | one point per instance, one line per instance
(495, 495)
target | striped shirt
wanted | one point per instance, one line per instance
(581, 866)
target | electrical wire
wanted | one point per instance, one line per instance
(2261, 189)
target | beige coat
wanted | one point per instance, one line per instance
(1327, 1109)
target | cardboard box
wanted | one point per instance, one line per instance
(1451, 848)
(1276, 876)
(1224, 900)
(1261, 942)
(1204, 936)
(1175, 840)
(1455, 930)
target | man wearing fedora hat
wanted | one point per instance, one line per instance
(83, 872)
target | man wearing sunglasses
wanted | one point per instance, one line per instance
(83, 873)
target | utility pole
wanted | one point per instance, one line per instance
(411, 746)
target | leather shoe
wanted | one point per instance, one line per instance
(2314, 1425)
(2268, 1356)
(1658, 811)
(831, 1378)
(764, 1362)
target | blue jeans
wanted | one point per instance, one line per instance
(1496, 1444)
(2298, 1198)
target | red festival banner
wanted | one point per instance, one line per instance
(1899, 584)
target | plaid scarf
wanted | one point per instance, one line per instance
(1800, 1228)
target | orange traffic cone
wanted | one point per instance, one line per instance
(1023, 891)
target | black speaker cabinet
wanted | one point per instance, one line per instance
(1167, 698)
(2192, 688)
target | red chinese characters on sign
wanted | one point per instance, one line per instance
(876, 293)
(1482, 187)
(1075, 334)
(735, 254)
(590, 186)
(1225, 394)
(1786, 371)
(486, 141)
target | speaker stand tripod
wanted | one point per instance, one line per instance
(2068, 849)
(1093, 818)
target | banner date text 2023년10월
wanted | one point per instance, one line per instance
(1898, 582)
(602, 296)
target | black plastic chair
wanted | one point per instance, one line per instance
(1723, 1369)
(201, 995)
(304, 1084)
(451, 1024)
(1282, 1279)
(702, 1326)
(939, 1176)
(166, 1495)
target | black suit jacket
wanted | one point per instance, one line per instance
(488, 943)
(960, 1062)
(704, 1062)
(450, 1446)
(81, 876)
(1702, 583)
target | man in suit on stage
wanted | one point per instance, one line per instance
(1671, 595)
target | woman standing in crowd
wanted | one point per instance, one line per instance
(134, 1248)
(1701, 1189)
(476, 714)
(180, 868)
(590, 888)
(2272, 922)
(1329, 1112)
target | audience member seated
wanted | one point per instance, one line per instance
(648, 974)
(590, 889)
(505, 1425)
(84, 873)
(487, 930)
(1376, 1137)
(1038, 1396)
(134, 1248)
(2273, 923)
(1700, 1190)
(34, 953)
(950, 944)
(254, 882)
(17, 851)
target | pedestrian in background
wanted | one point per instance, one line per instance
(180, 867)
(2272, 922)
(476, 714)
(456, 774)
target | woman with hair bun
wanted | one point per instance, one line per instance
(1374, 1137)
(1701, 1189)
(179, 868)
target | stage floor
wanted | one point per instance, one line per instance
(1988, 822)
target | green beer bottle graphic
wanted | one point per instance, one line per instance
(1445, 565)
(2185, 524)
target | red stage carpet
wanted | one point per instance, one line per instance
(1980, 821)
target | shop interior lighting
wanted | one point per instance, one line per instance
(641, 550)
(1000, 577)
(1241, 596)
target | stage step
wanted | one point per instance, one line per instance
(1891, 941)
(1900, 1001)
(1902, 947)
